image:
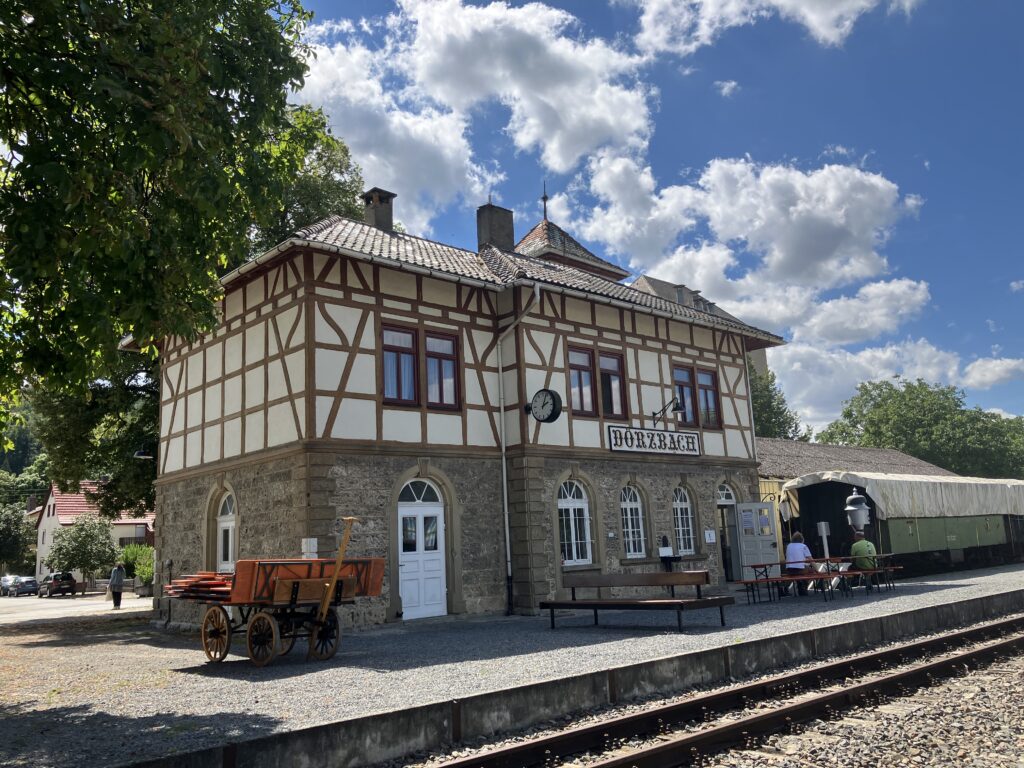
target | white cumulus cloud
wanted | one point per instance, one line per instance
(1017, 285)
(727, 88)
(684, 26)
(987, 372)
(878, 308)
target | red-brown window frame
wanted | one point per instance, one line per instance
(414, 351)
(717, 394)
(681, 418)
(624, 410)
(572, 367)
(454, 357)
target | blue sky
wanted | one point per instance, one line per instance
(843, 172)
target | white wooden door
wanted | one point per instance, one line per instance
(755, 526)
(421, 561)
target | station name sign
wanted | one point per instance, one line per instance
(653, 441)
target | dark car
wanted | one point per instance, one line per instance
(62, 583)
(5, 584)
(23, 585)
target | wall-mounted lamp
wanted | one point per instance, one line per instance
(143, 454)
(673, 404)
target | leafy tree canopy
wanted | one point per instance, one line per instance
(85, 546)
(17, 536)
(772, 416)
(930, 422)
(137, 152)
(94, 434)
(33, 481)
(325, 183)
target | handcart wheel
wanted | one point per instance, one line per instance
(325, 639)
(216, 633)
(262, 638)
(287, 630)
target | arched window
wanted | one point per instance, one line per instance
(574, 524)
(419, 491)
(725, 496)
(632, 522)
(227, 534)
(682, 519)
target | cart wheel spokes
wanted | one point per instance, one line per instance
(216, 633)
(262, 638)
(325, 639)
(287, 630)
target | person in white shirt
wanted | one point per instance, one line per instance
(798, 561)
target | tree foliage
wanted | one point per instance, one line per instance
(84, 546)
(17, 536)
(137, 152)
(137, 558)
(933, 423)
(95, 432)
(772, 416)
(33, 482)
(325, 183)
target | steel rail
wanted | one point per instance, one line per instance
(597, 736)
(688, 749)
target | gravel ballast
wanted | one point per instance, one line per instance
(99, 693)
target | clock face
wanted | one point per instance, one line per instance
(546, 405)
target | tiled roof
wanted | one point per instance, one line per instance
(788, 459)
(541, 270)
(547, 237)
(71, 505)
(502, 268)
(363, 238)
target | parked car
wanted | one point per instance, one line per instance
(5, 583)
(23, 585)
(60, 583)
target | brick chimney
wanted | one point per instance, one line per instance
(494, 227)
(379, 212)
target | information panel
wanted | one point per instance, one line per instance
(653, 441)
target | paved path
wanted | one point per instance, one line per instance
(124, 691)
(17, 610)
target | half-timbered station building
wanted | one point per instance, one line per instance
(361, 371)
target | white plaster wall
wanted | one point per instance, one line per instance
(356, 420)
(401, 426)
(444, 429)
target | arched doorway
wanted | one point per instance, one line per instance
(725, 501)
(227, 534)
(421, 551)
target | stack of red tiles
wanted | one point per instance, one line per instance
(205, 585)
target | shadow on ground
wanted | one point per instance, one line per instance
(84, 737)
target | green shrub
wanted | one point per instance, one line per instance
(133, 556)
(144, 569)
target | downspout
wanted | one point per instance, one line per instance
(501, 431)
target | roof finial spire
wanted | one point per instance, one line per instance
(544, 199)
(488, 197)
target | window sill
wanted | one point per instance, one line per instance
(578, 568)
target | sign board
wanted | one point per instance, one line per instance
(709, 536)
(660, 441)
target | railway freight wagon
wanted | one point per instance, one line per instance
(925, 519)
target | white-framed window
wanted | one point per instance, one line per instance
(682, 519)
(725, 496)
(574, 524)
(632, 522)
(227, 534)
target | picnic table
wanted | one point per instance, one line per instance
(829, 574)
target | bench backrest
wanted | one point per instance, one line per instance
(669, 579)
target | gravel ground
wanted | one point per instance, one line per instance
(100, 693)
(975, 721)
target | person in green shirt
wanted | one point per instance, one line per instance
(863, 552)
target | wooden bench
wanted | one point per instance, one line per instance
(698, 579)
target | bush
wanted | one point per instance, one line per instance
(144, 569)
(135, 555)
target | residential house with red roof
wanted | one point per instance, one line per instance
(63, 509)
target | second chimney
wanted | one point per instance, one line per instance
(494, 227)
(379, 212)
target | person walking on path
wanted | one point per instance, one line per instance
(798, 561)
(117, 584)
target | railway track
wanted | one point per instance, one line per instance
(686, 732)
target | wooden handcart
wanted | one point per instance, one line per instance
(275, 602)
